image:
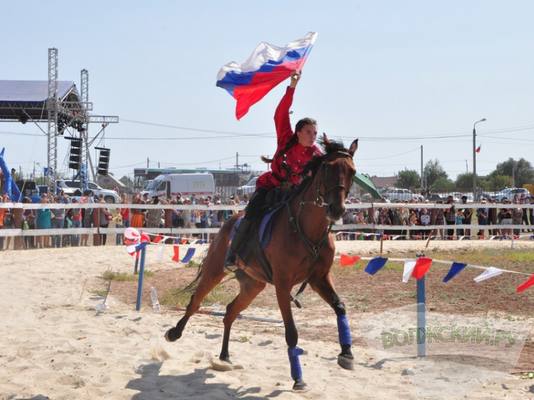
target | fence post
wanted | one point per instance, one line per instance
(142, 247)
(421, 316)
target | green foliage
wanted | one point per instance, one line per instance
(464, 182)
(434, 171)
(496, 182)
(408, 179)
(180, 298)
(522, 171)
(442, 184)
(123, 276)
(127, 181)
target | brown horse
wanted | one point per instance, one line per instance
(301, 250)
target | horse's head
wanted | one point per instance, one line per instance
(333, 173)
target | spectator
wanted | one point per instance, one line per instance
(153, 215)
(87, 216)
(450, 217)
(138, 215)
(3, 212)
(28, 222)
(74, 219)
(43, 221)
(105, 216)
(482, 218)
(517, 215)
(505, 218)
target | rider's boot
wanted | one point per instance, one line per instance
(237, 242)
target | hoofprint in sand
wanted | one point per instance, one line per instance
(54, 345)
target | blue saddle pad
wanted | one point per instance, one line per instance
(266, 226)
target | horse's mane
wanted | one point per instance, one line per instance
(310, 169)
(329, 147)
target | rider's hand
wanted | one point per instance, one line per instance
(295, 76)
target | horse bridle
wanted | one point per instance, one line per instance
(320, 197)
(314, 248)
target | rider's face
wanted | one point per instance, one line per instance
(307, 135)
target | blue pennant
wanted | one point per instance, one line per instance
(456, 268)
(375, 265)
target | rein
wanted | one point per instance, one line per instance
(313, 248)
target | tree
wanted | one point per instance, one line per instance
(408, 179)
(464, 182)
(495, 182)
(127, 181)
(442, 184)
(521, 171)
(434, 171)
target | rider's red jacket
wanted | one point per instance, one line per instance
(295, 158)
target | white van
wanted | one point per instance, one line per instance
(201, 184)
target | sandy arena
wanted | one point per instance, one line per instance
(54, 345)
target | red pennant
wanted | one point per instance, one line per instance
(185, 241)
(346, 260)
(525, 285)
(145, 238)
(157, 239)
(422, 265)
(176, 256)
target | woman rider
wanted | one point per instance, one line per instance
(293, 152)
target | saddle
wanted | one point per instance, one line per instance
(260, 231)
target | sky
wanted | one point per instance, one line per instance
(396, 74)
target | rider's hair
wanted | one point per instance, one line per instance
(294, 139)
(303, 122)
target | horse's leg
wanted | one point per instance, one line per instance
(206, 284)
(249, 289)
(324, 287)
(283, 295)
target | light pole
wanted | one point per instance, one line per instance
(475, 197)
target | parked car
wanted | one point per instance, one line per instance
(72, 188)
(399, 194)
(510, 193)
(248, 188)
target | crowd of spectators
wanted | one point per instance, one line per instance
(459, 213)
(413, 219)
(57, 218)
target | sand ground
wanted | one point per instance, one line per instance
(53, 344)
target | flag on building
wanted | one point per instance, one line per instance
(267, 66)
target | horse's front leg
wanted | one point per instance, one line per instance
(325, 288)
(283, 295)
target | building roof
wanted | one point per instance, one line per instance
(22, 100)
(384, 181)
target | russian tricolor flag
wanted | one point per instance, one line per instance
(267, 66)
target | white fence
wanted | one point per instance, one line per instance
(235, 208)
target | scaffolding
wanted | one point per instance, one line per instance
(60, 106)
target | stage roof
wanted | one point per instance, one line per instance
(24, 100)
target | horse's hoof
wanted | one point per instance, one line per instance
(300, 386)
(346, 361)
(172, 335)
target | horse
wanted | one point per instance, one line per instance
(301, 251)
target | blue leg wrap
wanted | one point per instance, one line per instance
(296, 370)
(343, 330)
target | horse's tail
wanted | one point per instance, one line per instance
(216, 252)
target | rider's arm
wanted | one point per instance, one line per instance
(281, 116)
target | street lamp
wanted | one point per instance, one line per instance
(475, 197)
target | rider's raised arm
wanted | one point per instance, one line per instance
(281, 116)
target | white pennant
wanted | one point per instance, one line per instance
(409, 266)
(161, 249)
(130, 249)
(489, 273)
